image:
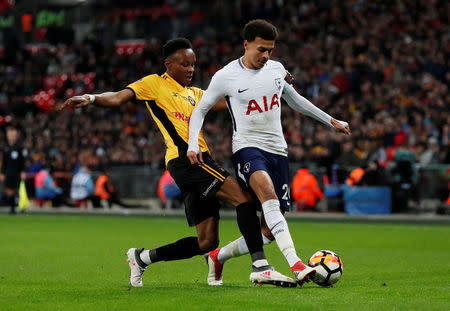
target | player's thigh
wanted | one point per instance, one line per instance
(198, 209)
(199, 186)
(232, 193)
(205, 179)
(252, 166)
(261, 183)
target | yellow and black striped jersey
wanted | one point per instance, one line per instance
(171, 106)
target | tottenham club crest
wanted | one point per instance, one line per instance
(191, 100)
(278, 83)
(246, 167)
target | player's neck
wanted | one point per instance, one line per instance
(247, 64)
(175, 80)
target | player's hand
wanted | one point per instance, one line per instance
(75, 101)
(341, 126)
(289, 78)
(195, 158)
(2, 177)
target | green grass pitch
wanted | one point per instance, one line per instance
(55, 262)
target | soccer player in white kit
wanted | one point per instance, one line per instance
(253, 87)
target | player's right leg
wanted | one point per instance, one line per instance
(249, 226)
(217, 258)
(262, 185)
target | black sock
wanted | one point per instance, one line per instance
(181, 249)
(250, 228)
(12, 203)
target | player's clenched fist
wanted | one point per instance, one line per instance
(341, 126)
(289, 78)
(194, 158)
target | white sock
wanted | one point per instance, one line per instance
(279, 228)
(260, 263)
(145, 256)
(236, 248)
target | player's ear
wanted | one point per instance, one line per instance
(167, 62)
(245, 44)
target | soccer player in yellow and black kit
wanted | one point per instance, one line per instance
(170, 101)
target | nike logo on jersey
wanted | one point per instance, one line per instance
(240, 91)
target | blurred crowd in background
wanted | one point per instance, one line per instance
(380, 65)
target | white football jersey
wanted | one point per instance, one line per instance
(254, 101)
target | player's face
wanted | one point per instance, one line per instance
(257, 52)
(181, 65)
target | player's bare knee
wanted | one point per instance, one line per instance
(238, 194)
(268, 193)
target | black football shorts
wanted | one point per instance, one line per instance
(199, 185)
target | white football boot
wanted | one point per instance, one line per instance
(302, 272)
(215, 268)
(268, 275)
(136, 270)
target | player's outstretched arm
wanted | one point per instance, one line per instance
(302, 105)
(107, 99)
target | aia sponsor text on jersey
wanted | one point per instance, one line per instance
(254, 106)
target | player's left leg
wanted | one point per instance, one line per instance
(206, 240)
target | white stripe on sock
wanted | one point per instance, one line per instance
(145, 257)
(260, 263)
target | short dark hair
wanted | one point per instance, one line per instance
(259, 28)
(174, 45)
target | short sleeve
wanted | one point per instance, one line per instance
(145, 88)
